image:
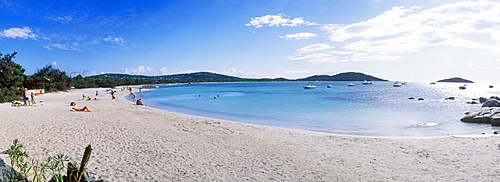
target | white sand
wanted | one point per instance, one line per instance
(139, 143)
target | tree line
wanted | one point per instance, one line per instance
(13, 80)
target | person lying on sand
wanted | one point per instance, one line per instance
(82, 109)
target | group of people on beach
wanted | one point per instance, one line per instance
(133, 97)
(112, 92)
(25, 100)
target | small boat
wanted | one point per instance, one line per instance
(329, 86)
(309, 86)
(367, 83)
(491, 86)
(433, 83)
(397, 84)
(463, 87)
(351, 84)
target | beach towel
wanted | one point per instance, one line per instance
(80, 111)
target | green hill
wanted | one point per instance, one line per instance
(112, 80)
(348, 76)
(184, 78)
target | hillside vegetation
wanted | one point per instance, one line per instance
(13, 81)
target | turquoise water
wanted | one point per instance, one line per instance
(376, 110)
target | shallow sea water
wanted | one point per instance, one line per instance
(374, 110)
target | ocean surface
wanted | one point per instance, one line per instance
(372, 110)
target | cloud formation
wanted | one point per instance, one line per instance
(298, 36)
(315, 47)
(72, 47)
(60, 19)
(276, 20)
(401, 31)
(138, 70)
(23, 33)
(239, 73)
(113, 39)
(84, 73)
(146, 70)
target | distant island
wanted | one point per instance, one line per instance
(456, 80)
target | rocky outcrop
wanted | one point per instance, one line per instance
(491, 103)
(488, 113)
(482, 115)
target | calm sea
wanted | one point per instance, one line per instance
(375, 110)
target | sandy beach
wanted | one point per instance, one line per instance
(140, 143)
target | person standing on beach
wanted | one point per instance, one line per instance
(133, 96)
(113, 94)
(32, 98)
(97, 93)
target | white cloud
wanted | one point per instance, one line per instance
(400, 32)
(311, 56)
(139, 70)
(113, 39)
(239, 73)
(299, 36)
(61, 19)
(277, 20)
(315, 47)
(445, 23)
(54, 64)
(84, 73)
(24, 33)
(163, 71)
(146, 70)
(388, 23)
(72, 47)
(117, 40)
(296, 71)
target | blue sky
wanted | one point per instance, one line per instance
(423, 40)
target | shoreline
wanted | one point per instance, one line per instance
(141, 143)
(443, 125)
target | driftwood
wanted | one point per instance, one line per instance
(85, 161)
(77, 175)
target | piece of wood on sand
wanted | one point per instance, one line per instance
(85, 161)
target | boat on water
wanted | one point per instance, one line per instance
(309, 86)
(329, 86)
(367, 83)
(351, 84)
(433, 83)
(463, 87)
(397, 84)
(491, 86)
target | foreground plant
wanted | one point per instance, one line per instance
(35, 169)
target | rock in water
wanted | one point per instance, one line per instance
(495, 120)
(491, 103)
(483, 115)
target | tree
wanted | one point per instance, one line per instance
(11, 78)
(49, 79)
